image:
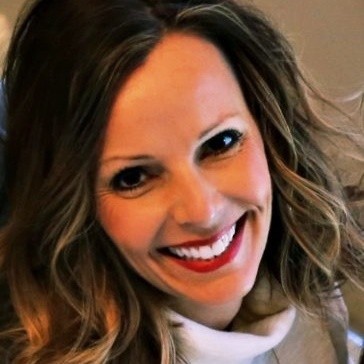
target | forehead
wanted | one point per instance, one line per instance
(177, 54)
(185, 80)
(179, 61)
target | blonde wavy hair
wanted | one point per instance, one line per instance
(69, 297)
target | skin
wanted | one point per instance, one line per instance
(162, 120)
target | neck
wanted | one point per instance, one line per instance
(214, 316)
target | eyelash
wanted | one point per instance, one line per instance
(235, 139)
(143, 174)
(218, 146)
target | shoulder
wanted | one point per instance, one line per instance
(315, 340)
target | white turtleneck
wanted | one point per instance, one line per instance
(266, 330)
(208, 346)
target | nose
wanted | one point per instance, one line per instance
(197, 202)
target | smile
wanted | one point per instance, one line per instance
(209, 255)
(206, 252)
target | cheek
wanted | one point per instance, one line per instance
(130, 226)
(250, 176)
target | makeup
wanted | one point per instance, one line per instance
(209, 255)
(185, 190)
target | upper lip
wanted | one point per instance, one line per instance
(203, 242)
(208, 241)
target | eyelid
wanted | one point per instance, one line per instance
(151, 173)
(207, 151)
(126, 170)
(235, 122)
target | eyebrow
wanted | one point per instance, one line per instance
(126, 157)
(145, 157)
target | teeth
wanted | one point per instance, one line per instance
(218, 248)
(195, 253)
(186, 252)
(206, 252)
(177, 252)
(225, 241)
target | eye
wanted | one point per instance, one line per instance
(221, 144)
(132, 181)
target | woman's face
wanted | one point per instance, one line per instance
(184, 189)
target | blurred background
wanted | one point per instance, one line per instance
(328, 36)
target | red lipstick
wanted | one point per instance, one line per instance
(203, 242)
(205, 266)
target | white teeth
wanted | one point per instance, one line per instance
(218, 247)
(186, 252)
(206, 252)
(195, 253)
(225, 241)
(177, 252)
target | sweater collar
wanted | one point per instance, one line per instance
(264, 319)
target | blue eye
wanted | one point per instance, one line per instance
(220, 144)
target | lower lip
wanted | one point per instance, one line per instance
(205, 266)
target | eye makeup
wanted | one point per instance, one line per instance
(140, 175)
(221, 144)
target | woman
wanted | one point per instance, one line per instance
(168, 202)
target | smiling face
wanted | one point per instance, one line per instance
(184, 189)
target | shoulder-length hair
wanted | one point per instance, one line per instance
(72, 298)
